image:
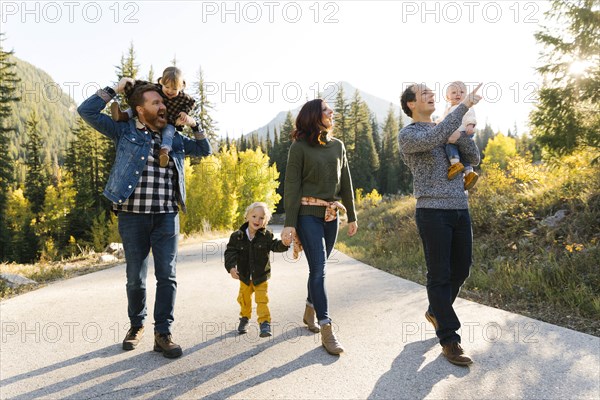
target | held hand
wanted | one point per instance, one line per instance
(121, 85)
(184, 119)
(454, 137)
(234, 273)
(472, 98)
(352, 228)
(287, 235)
(470, 129)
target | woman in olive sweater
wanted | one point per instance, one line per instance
(317, 176)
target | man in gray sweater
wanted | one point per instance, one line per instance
(442, 214)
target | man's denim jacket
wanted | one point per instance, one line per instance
(133, 147)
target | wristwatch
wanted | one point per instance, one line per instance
(110, 91)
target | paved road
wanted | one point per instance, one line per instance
(64, 341)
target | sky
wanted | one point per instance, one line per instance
(263, 57)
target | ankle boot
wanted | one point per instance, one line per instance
(116, 113)
(329, 340)
(310, 319)
(163, 157)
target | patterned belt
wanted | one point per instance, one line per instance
(331, 209)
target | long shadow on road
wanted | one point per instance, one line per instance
(115, 378)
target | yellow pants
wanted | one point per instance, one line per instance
(260, 296)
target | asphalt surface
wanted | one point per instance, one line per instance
(64, 341)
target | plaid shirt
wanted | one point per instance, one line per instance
(181, 102)
(156, 191)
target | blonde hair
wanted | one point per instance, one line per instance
(259, 204)
(172, 75)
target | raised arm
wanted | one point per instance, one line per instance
(91, 110)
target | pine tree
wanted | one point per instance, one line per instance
(151, 74)
(269, 143)
(281, 148)
(375, 131)
(482, 138)
(8, 97)
(362, 156)
(86, 163)
(567, 115)
(340, 126)
(203, 108)
(36, 180)
(390, 156)
(128, 67)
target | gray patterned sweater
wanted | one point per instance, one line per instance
(422, 149)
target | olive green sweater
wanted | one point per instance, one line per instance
(321, 172)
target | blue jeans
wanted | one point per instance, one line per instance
(167, 134)
(448, 246)
(452, 152)
(140, 233)
(318, 238)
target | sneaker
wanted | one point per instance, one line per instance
(163, 157)
(454, 170)
(265, 329)
(133, 337)
(116, 113)
(429, 317)
(163, 343)
(471, 180)
(243, 326)
(455, 354)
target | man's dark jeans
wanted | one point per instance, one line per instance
(140, 233)
(318, 238)
(448, 246)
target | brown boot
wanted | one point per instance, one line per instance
(310, 319)
(163, 157)
(454, 170)
(432, 319)
(133, 337)
(471, 180)
(163, 343)
(117, 114)
(329, 340)
(455, 354)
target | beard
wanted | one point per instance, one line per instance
(157, 121)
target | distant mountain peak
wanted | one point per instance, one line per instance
(377, 105)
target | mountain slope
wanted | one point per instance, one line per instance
(55, 110)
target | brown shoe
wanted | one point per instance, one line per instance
(310, 319)
(455, 354)
(432, 319)
(329, 340)
(163, 343)
(471, 180)
(117, 114)
(133, 337)
(454, 170)
(163, 157)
